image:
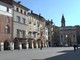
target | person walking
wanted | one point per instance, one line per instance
(41, 48)
(74, 47)
(77, 46)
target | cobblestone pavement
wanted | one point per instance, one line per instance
(54, 53)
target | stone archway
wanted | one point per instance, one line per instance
(30, 41)
(34, 43)
(68, 40)
(24, 45)
(39, 44)
(6, 45)
(16, 44)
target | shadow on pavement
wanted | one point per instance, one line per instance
(68, 55)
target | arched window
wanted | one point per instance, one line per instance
(7, 29)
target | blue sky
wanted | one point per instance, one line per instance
(53, 9)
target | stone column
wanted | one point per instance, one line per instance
(20, 46)
(12, 46)
(40, 44)
(75, 39)
(46, 44)
(36, 37)
(43, 44)
(27, 45)
(72, 40)
(61, 40)
(36, 45)
(2, 46)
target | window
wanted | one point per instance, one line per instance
(61, 36)
(17, 9)
(29, 34)
(24, 12)
(7, 29)
(38, 24)
(24, 21)
(18, 33)
(38, 34)
(41, 34)
(34, 23)
(34, 34)
(21, 11)
(73, 35)
(7, 9)
(24, 33)
(48, 32)
(8, 19)
(18, 19)
(45, 33)
(29, 22)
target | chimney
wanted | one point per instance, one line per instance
(51, 21)
(31, 11)
(39, 14)
(19, 2)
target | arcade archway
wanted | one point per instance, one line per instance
(6, 45)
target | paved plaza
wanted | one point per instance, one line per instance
(54, 53)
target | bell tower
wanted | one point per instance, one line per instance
(62, 21)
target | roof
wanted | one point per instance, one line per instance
(62, 19)
(10, 2)
(20, 5)
(37, 16)
(68, 28)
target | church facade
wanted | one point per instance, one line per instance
(68, 35)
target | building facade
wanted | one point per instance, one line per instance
(50, 32)
(55, 36)
(78, 33)
(46, 36)
(20, 26)
(68, 36)
(36, 30)
(6, 17)
(43, 31)
(20, 29)
(32, 30)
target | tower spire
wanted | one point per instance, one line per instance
(62, 21)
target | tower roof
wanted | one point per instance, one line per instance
(62, 19)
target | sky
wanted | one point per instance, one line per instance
(53, 9)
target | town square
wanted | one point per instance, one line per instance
(39, 30)
(55, 53)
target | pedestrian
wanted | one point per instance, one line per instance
(77, 46)
(41, 48)
(74, 47)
